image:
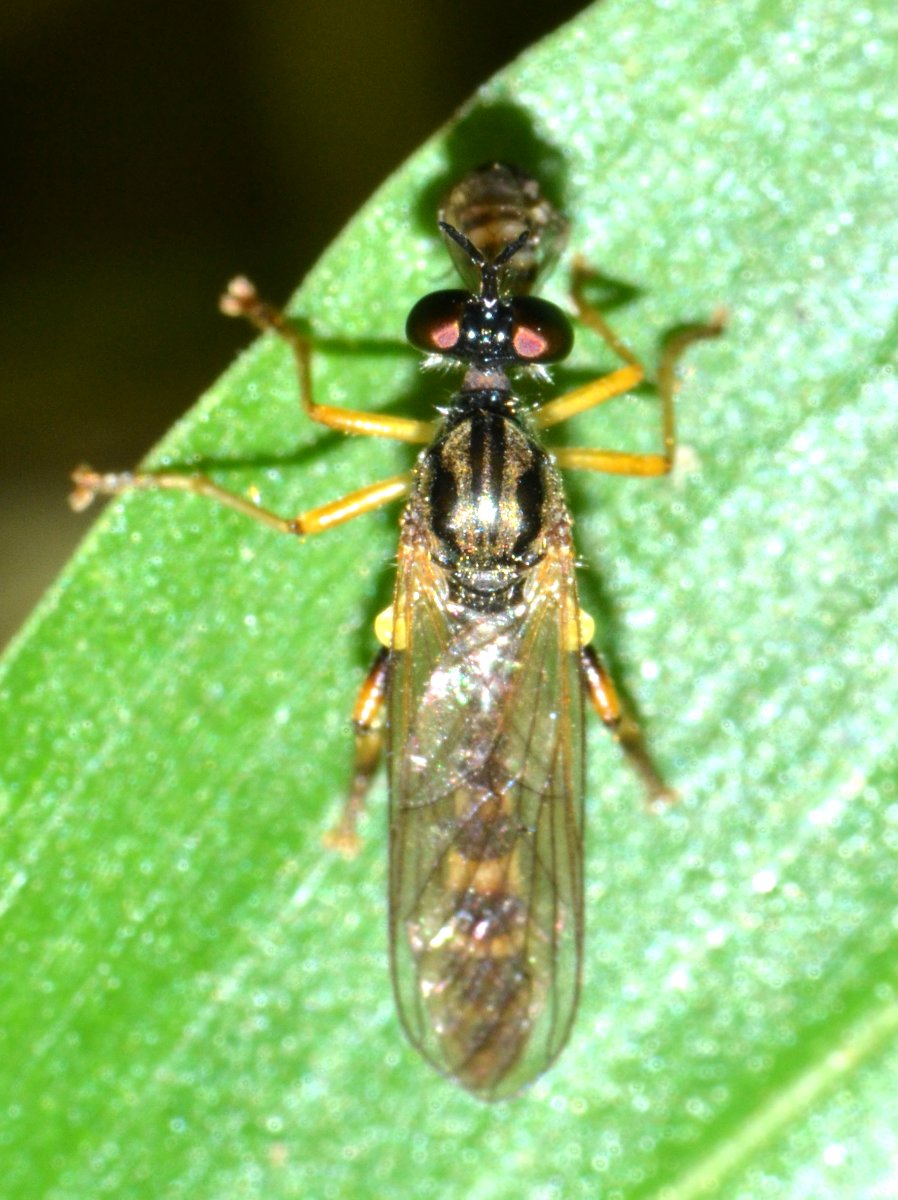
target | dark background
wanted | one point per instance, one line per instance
(150, 151)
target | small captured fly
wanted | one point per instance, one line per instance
(486, 663)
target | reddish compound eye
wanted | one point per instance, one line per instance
(541, 333)
(434, 324)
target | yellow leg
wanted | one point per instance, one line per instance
(603, 694)
(616, 462)
(242, 300)
(368, 721)
(571, 404)
(90, 483)
(612, 462)
(614, 384)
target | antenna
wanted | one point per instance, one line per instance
(489, 271)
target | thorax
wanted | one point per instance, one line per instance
(487, 491)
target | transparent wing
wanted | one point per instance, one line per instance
(486, 775)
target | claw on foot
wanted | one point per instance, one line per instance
(86, 481)
(240, 298)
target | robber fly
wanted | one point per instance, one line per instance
(486, 660)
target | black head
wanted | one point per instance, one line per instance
(486, 329)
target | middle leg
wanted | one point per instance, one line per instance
(620, 462)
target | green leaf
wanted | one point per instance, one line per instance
(196, 998)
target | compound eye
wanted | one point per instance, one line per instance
(434, 324)
(541, 333)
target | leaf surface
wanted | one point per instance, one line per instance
(196, 999)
